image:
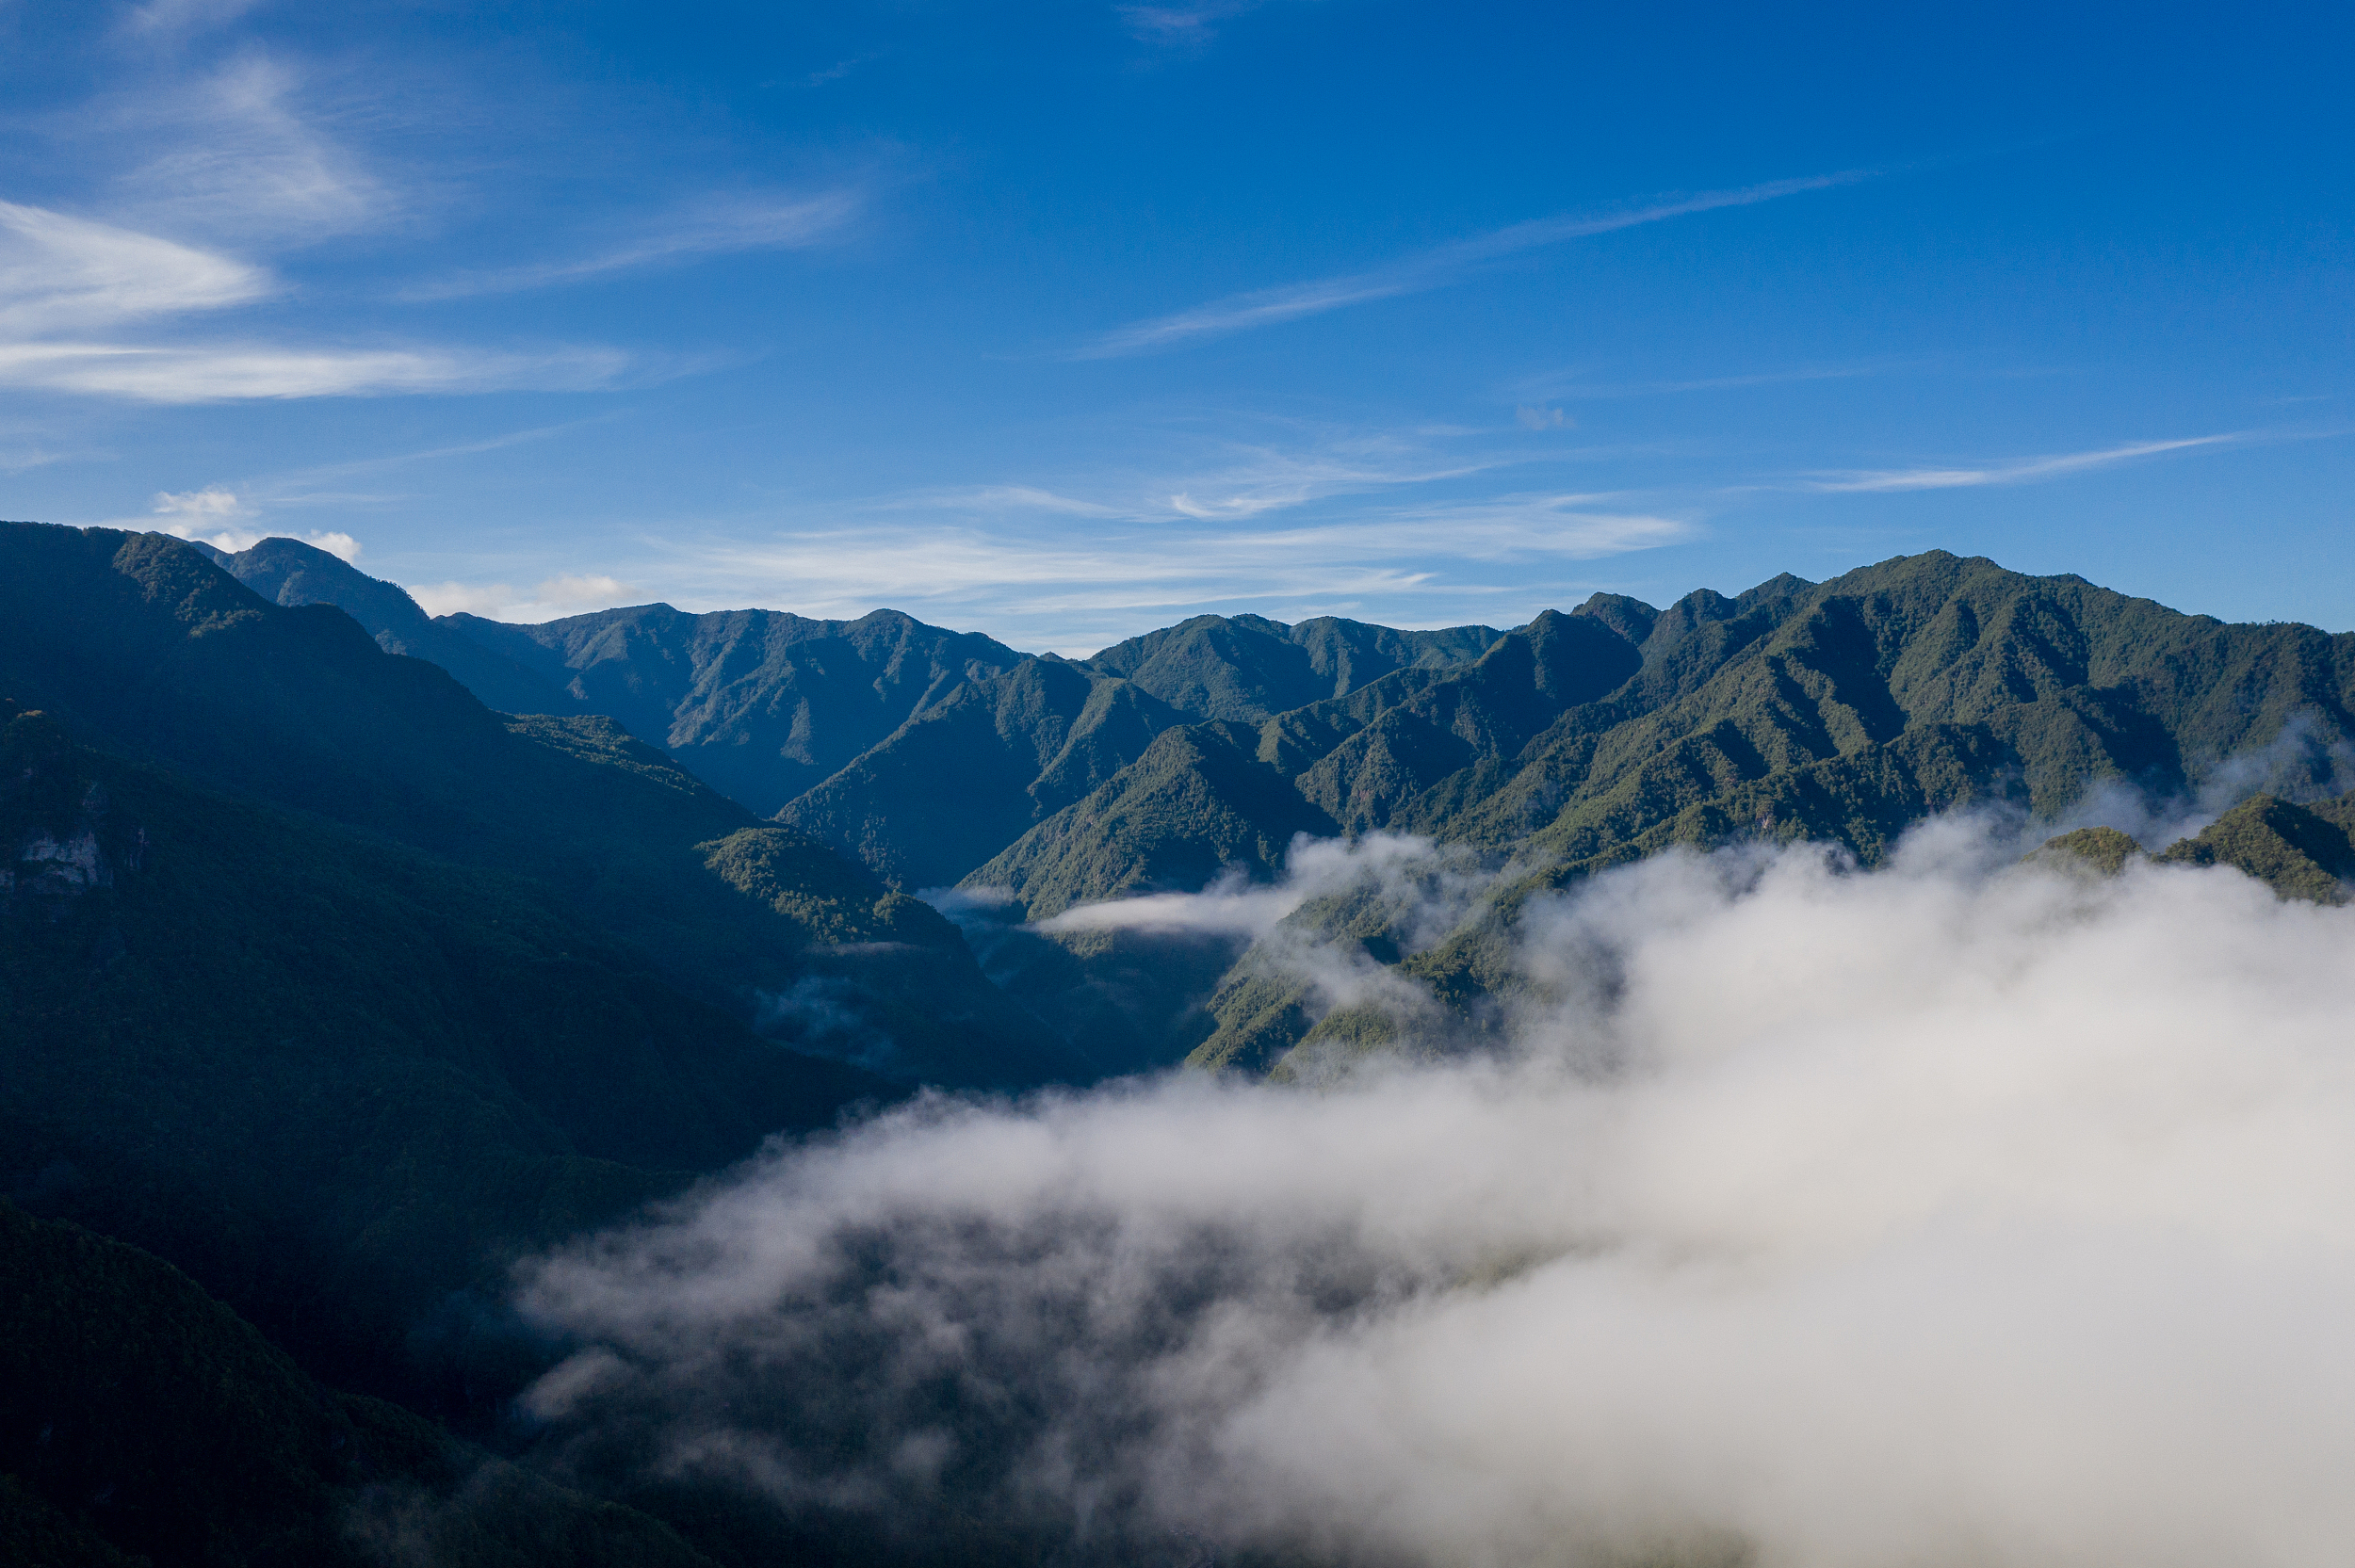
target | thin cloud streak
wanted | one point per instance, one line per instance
(1432, 269)
(173, 18)
(1133, 568)
(232, 372)
(1563, 386)
(1252, 480)
(2016, 471)
(1182, 24)
(715, 229)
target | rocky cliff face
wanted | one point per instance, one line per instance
(65, 838)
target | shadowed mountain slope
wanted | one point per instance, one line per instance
(1196, 804)
(137, 1416)
(759, 704)
(1029, 743)
(852, 727)
(333, 1077)
(974, 772)
(147, 650)
(289, 573)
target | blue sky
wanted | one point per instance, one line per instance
(1061, 321)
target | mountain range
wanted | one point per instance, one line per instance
(353, 952)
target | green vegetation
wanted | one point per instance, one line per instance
(1247, 668)
(967, 775)
(339, 990)
(760, 704)
(1844, 711)
(2104, 851)
(1197, 802)
(2300, 852)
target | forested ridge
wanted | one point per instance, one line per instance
(352, 954)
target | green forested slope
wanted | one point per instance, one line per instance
(962, 779)
(2301, 851)
(759, 704)
(1246, 668)
(1197, 802)
(1843, 710)
(920, 752)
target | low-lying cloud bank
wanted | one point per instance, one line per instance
(1959, 1212)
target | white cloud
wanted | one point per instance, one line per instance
(1389, 551)
(211, 503)
(1530, 417)
(1236, 906)
(220, 518)
(565, 594)
(2011, 471)
(213, 514)
(1510, 528)
(573, 592)
(1568, 385)
(489, 600)
(1417, 274)
(1954, 1214)
(60, 273)
(103, 308)
(62, 276)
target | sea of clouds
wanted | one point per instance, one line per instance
(1956, 1212)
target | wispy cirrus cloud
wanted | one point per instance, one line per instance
(1322, 521)
(62, 273)
(1420, 564)
(715, 226)
(1430, 269)
(2011, 470)
(1570, 384)
(1181, 24)
(1236, 481)
(208, 168)
(243, 154)
(119, 307)
(233, 372)
(171, 19)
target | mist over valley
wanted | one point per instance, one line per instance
(1839, 1072)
